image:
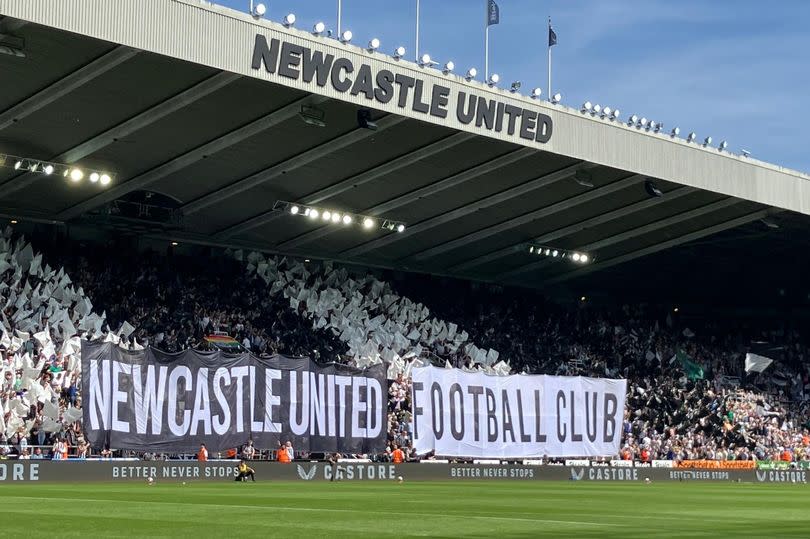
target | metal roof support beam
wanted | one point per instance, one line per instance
(526, 218)
(428, 190)
(733, 223)
(574, 228)
(634, 233)
(350, 183)
(64, 86)
(467, 209)
(140, 121)
(178, 163)
(301, 160)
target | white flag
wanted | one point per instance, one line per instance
(756, 363)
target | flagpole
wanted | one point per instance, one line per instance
(486, 40)
(417, 30)
(548, 95)
(340, 12)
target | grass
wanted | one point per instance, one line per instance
(371, 510)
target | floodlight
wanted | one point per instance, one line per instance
(659, 127)
(327, 215)
(105, 179)
(583, 258)
(399, 52)
(318, 28)
(633, 120)
(586, 106)
(17, 165)
(346, 36)
(289, 20)
(294, 210)
(615, 115)
(745, 153)
(723, 145)
(48, 169)
(707, 141)
(493, 80)
(691, 137)
(515, 86)
(347, 219)
(675, 131)
(94, 177)
(643, 122)
(368, 222)
(652, 125)
(556, 98)
(76, 175)
(448, 68)
(555, 252)
(531, 249)
(425, 60)
(313, 213)
(335, 217)
(471, 73)
(606, 112)
(259, 10)
(373, 45)
(400, 228)
(575, 256)
(536, 93)
(597, 109)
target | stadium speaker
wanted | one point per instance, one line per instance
(652, 189)
(364, 120)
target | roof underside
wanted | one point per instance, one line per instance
(226, 148)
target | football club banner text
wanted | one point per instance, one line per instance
(462, 414)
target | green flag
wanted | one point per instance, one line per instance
(693, 370)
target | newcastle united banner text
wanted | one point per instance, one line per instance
(465, 414)
(149, 400)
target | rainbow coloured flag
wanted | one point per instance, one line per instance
(224, 342)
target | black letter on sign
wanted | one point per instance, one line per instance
(475, 391)
(438, 103)
(590, 415)
(314, 62)
(418, 104)
(527, 124)
(263, 54)
(561, 430)
(492, 421)
(537, 417)
(465, 116)
(611, 407)
(435, 390)
(456, 430)
(544, 128)
(290, 60)
(385, 86)
(405, 82)
(513, 113)
(574, 436)
(417, 410)
(486, 113)
(499, 118)
(507, 417)
(362, 83)
(341, 85)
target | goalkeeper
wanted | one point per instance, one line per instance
(245, 471)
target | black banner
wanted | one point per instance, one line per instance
(153, 401)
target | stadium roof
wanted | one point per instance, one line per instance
(197, 111)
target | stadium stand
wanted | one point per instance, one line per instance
(688, 397)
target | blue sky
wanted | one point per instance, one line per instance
(737, 70)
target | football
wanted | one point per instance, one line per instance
(150, 481)
(646, 479)
(399, 479)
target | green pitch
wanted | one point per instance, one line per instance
(369, 510)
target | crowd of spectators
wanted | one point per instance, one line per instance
(172, 302)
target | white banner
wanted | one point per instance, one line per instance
(462, 414)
